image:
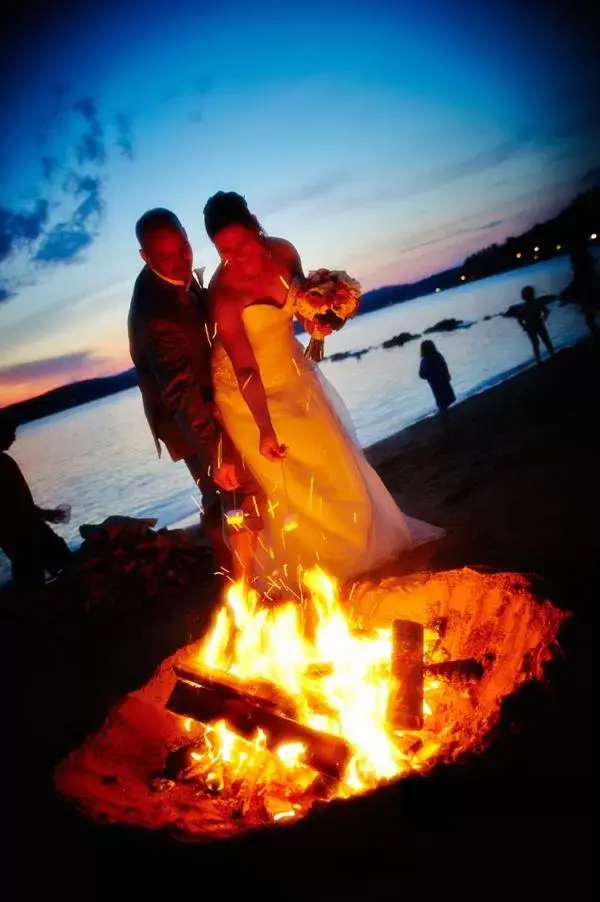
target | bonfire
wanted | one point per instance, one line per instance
(324, 696)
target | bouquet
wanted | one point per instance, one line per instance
(326, 298)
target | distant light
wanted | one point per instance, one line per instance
(593, 236)
(463, 278)
(558, 246)
(536, 249)
(437, 289)
(535, 257)
(519, 255)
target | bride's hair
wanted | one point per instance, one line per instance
(226, 208)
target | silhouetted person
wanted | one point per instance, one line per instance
(435, 370)
(585, 285)
(25, 537)
(532, 316)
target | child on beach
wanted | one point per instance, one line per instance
(532, 316)
(434, 370)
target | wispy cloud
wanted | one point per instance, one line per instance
(91, 148)
(19, 230)
(125, 135)
(67, 239)
(478, 163)
(29, 378)
(39, 370)
(65, 218)
(323, 187)
(444, 235)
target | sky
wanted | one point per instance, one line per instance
(389, 139)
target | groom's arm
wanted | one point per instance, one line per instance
(172, 366)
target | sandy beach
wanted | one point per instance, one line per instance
(513, 477)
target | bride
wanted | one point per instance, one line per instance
(326, 505)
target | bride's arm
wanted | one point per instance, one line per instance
(232, 332)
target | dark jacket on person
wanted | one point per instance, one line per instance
(25, 537)
(435, 370)
(170, 337)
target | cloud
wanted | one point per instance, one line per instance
(49, 167)
(446, 235)
(317, 190)
(91, 148)
(63, 244)
(66, 216)
(66, 240)
(125, 135)
(30, 370)
(474, 165)
(19, 230)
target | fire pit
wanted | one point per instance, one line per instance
(316, 698)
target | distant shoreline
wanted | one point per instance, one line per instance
(77, 394)
(543, 242)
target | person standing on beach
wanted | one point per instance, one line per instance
(434, 370)
(170, 341)
(584, 288)
(532, 316)
(32, 547)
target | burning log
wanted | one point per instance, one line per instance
(207, 700)
(260, 692)
(405, 710)
(465, 670)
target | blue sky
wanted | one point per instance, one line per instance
(387, 139)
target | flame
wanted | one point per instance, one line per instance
(336, 677)
(322, 657)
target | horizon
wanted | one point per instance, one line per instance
(373, 157)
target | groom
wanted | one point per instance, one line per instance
(170, 339)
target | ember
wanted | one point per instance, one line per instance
(324, 698)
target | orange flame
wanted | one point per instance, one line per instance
(325, 660)
(337, 679)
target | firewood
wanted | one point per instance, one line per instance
(405, 709)
(465, 670)
(245, 714)
(258, 691)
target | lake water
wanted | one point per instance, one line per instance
(100, 457)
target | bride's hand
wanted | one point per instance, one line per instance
(270, 448)
(317, 329)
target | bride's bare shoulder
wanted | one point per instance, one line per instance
(283, 248)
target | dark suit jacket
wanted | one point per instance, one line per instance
(169, 342)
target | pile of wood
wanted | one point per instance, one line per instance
(126, 563)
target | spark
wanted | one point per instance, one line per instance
(262, 544)
(310, 492)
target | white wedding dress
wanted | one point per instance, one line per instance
(346, 520)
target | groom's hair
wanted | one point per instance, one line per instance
(226, 208)
(152, 220)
